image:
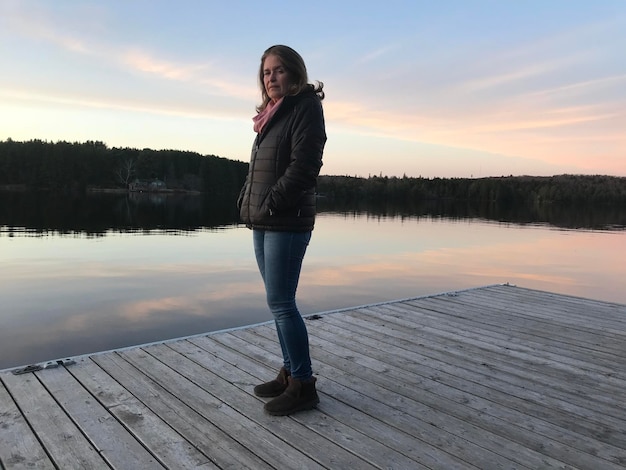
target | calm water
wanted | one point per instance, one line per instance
(121, 272)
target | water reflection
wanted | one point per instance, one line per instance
(98, 213)
(570, 217)
(158, 268)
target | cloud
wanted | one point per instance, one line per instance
(144, 62)
(375, 54)
(491, 80)
(203, 77)
(40, 23)
(581, 87)
(73, 100)
(207, 77)
(546, 99)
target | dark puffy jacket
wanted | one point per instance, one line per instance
(279, 192)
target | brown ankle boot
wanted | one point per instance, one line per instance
(298, 396)
(275, 387)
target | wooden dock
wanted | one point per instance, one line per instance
(498, 377)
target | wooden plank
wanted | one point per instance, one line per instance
(498, 348)
(545, 309)
(231, 366)
(533, 391)
(487, 356)
(19, 447)
(608, 318)
(578, 356)
(108, 435)
(191, 430)
(380, 445)
(507, 421)
(610, 314)
(148, 428)
(562, 329)
(514, 318)
(62, 439)
(200, 389)
(514, 338)
(422, 423)
(431, 397)
(559, 411)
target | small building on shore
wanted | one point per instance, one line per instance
(154, 185)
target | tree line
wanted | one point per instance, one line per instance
(509, 190)
(78, 166)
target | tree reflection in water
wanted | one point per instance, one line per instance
(97, 213)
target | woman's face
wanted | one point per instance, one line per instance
(275, 78)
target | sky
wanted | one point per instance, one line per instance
(453, 88)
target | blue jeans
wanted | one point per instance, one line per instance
(279, 256)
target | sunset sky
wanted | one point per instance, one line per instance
(453, 88)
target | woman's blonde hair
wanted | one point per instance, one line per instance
(294, 65)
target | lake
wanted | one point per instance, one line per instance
(90, 274)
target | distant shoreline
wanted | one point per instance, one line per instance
(23, 187)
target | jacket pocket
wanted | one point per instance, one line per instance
(265, 206)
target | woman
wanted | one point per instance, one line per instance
(278, 203)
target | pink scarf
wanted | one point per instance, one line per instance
(264, 116)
